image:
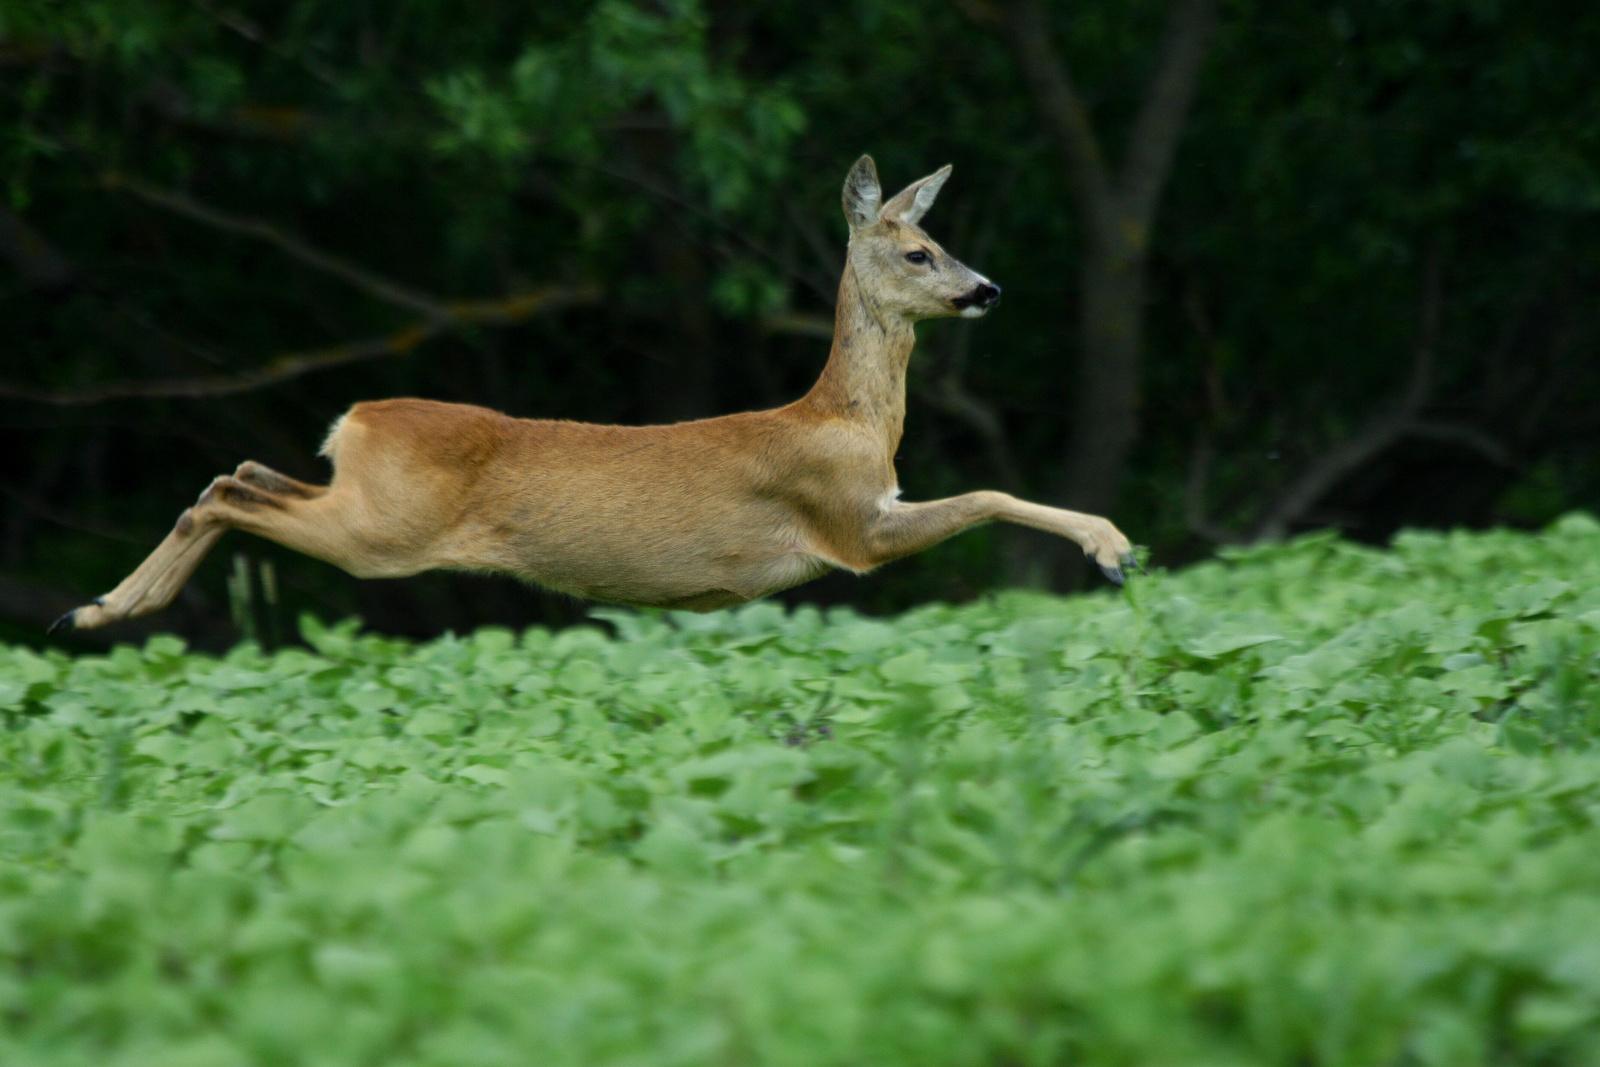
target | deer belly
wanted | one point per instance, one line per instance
(628, 549)
(673, 576)
(740, 585)
(785, 570)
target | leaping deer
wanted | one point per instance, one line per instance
(698, 515)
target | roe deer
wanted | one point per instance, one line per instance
(699, 515)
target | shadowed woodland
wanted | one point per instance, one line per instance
(1268, 267)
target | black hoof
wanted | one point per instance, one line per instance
(63, 623)
(1130, 560)
(1112, 573)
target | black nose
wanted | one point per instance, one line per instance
(985, 295)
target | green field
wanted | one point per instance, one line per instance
(1310, 804)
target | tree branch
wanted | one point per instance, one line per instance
(1194, 497)
(1159, 127)
(799, 323)
(1379, 433)
(1402, 420)
(389, 292)
(1118, 206)
(294, 365)
(1060, 106)
(736, 233)
(251, 32)
(41, 264)
(949, 394)
(1469, 437)
(40, 509)
(829, 259)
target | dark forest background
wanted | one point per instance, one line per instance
(1268, 266)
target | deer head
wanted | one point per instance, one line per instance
(900, 268)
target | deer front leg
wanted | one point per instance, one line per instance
(903, 529)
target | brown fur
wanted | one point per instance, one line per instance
(698, 515)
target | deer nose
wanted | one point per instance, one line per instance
(986, 295)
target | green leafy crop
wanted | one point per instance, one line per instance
(1308, 804)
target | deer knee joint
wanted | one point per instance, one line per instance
(270, 481)
(212, 492)
(197, 520)
(252, 473)
(229, 490)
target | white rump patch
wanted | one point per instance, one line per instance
(333, 431)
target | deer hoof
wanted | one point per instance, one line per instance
(1112, 572)
(70, 621)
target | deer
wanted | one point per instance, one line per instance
(697, 515)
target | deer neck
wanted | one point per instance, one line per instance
(865, 377)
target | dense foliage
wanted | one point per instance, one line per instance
(1371, 277)
(1307, 804)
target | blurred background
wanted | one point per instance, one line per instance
(1268, 266)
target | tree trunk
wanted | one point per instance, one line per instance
(1118, 208)
(1105, 411)
(1105, 419)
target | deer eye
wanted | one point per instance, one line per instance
(917, 257)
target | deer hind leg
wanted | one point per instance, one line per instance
(265, 478)
(256, 499)
(904, 529)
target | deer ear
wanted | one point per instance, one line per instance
(913, 202)
(862, 194)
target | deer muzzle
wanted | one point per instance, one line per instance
(984, 296)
